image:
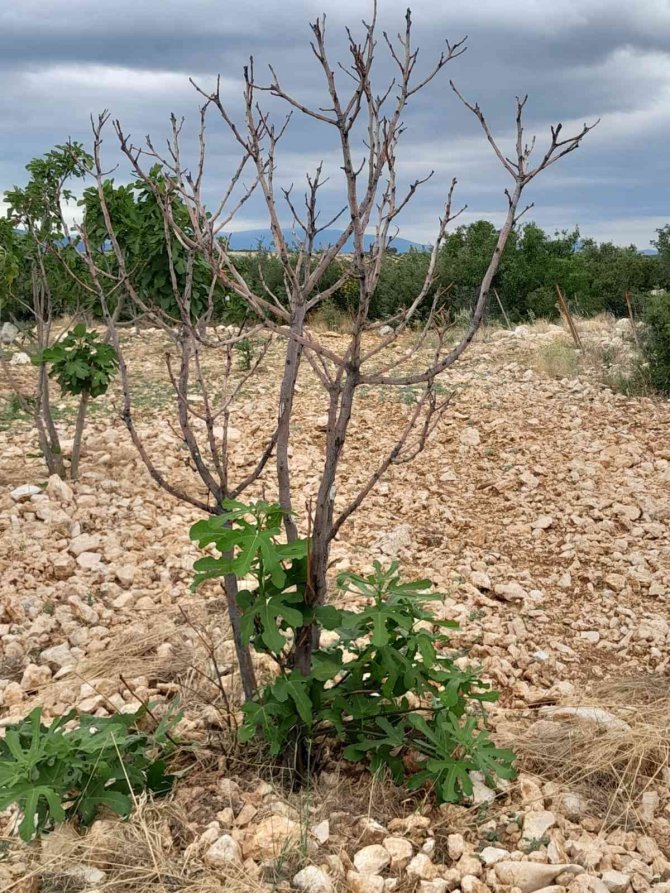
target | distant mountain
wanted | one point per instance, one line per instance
(650, 252)
(249, 240)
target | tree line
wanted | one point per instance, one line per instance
(595, 276)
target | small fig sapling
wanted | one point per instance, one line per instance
(83, 365)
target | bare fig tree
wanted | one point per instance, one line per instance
(366, 128)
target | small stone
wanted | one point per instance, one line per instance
(469, 865)
(480, 792)
(225, 817)
(470, 437)
(510, 592)
(364, 883)
(531, 793)
(321, 832)
(85, 542)
(615, 881)
(230, 792)
(372, 859)
(472, 884)
(34, 677)
(59, 655)
(398, 538)
(617, 582)
(544, 522)
(313, 880)
(246, 814)
(59, 490)
(20, 359)
(587, 883)
(63, 567)
(12, 695)
(125, 575)
(573, 806)
(400, 850)
(536, 825)
(455, 846)
(89, 560)
(223, 852)
(592, 636)
(490, 855)
(8, 333)
(422, 867)
(370, 831)
(592, 716)
(437, 885)
(429, 846)
(531, 876)
(648, 805)
(24, 492)
(480, 580)
(271, 837)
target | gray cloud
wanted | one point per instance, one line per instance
(578, 59)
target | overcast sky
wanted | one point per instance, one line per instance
(578, 60)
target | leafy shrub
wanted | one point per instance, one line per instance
(81, 363)
(330, 316)
(542, 303)
(387, 689)
(656, 342)
(55, 773)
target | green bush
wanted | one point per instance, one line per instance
(53, 773)
(656, 342)
(386, 689)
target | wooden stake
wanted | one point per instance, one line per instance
(502, 309)
(568, 318)
(632, 318)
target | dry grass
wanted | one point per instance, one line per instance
(612, 766)
(542, 326)
(134, 653)
(558, 359)
(155, 850)
(615, 364)
(329, 318)
(605, 356)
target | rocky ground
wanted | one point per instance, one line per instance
(541, 509)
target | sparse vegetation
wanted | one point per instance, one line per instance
(79, 764)
(559, 359)
(656, 342)
(83, 365)
(272, 396)
(385, 688)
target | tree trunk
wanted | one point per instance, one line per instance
(247, 675)
(78, 434)
(286, 394)
(307, 637)
(52, 454)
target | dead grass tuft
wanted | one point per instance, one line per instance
(134, 653)
(155, 850)
(558, 359)
(330, 318)
(612, 763)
